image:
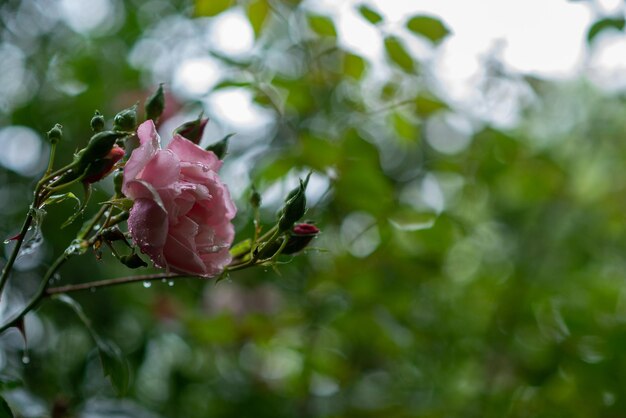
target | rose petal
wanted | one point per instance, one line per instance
(162, 170)
(216, 262)
(148, 226)
(149, 145)
(182, 259)
(189, 152)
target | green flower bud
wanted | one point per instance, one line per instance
(97, 122)
(220, 148)
(118, 180)
(294, 208)
(55, 134)
(126, 120)
(192, 130)
(255, 199)
(98, 147)
(133, 261)
(155, 104)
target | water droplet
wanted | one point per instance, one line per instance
(164, 280)
(96, 226)
(147, 284)
(92, 289)
(25, 358)
(170, 283)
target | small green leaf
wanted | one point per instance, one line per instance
(426, 105)
(398, 54)
(87, 188)
(211, 7)
(257, 12)
(605, 24)
(370, 15)
(5, 411)
(428, 27)
(121, 203)
(322, 25)
(353, 66)
(114, 365)
(58, 198)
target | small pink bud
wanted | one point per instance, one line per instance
(99, 169)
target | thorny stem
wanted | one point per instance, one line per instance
(16, 250)
(113, 282)
(92, 286)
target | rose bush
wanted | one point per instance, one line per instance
(182, 212)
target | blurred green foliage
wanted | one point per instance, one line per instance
(483, 280)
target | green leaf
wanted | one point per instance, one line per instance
(353, 66)
(257, 12)
(605, 24)
(426, 105)
(322, 25)
(114, 365)
(405, 128)
(428, 27)
(398, 54)
(211, 7)
(121, 203)
(87, 188)
(5, 411)
(370, 15)
(58, 198)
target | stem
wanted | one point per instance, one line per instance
(16, 250)
(40, 294)
(114, 282)
(53, 148)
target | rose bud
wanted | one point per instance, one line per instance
(301, 236)
(97, 122)
(294, 208)
(155, 104)
(192, 130)
(102, 167)
(220, 148)
(55, 134)
(126, 120)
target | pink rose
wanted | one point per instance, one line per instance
(182, 211)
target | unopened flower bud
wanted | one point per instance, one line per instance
(100, 168)
(126, 120)
(294, 208)
(97, 122)
(193, 130)
(55, 134)
(255, 199)
(113, 234)
(133, 261)
(98, 147)
(155, 104)
(220, 148)
(301, 236)
(118, 181)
